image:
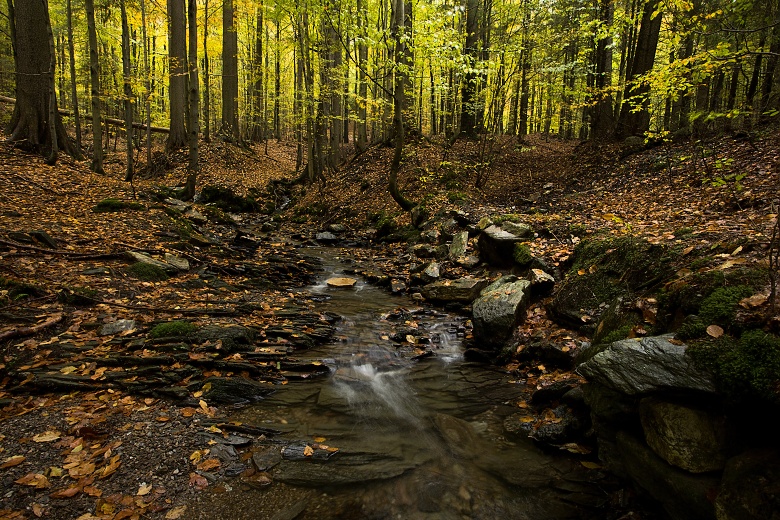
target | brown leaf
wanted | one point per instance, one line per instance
(175, 513)
(36, 480)
(66, 493)
(715, 331)
(47, 436)
(209, 464)
(198, 482)
(13, 461)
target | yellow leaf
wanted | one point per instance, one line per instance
(204, 405)
(308, 451)
(590, 465)
(55, 471)
(36, 480)
(319, 439)
(175, 513)
(144, 489)
(47, 436)
(411, 339)
(68, 369)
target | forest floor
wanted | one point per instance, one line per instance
(87, 426)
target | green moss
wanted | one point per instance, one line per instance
(113, 205)
(511, 217)
(522, 254)
(700, 262)
(457, 196)
(147, 272)
(172, 328)
(617, 335)
(693, 327)
(578, 230)
(746, 370)
(18, 290)
(683, 232)
(215, 214)
(721, 306)
(225, 199)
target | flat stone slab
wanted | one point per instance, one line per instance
(463, 290)
(146, 259)
(341, 281)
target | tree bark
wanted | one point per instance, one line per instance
(147, 87)
(206, 76)
(73, 85)
(128, 92)
(36, 124)
(177, 69)
(193, 100)
(230, 128)
(362, 97)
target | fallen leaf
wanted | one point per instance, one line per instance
(12, 461)
(319, 439)
(36, 480)
(47, 436)
(198, 482)
(66, 493)
(37, 510)
(209, 464)
(754, 301)
(68, 369)
(144, 489)
(590, 465)
(175, 513)
(715, 331)
(308, 451)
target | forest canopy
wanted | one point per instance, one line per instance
(332, 73)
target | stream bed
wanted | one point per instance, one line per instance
(417, 437)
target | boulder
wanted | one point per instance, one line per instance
(326, 237)
(497, 246)
(499, 309)
(341, 282)
(750, 489)
(425, 273)
(460, 242)
(652, 364)
(146, 259)
(234, 390)
(179, 263)
(115, 327)
(684, 496)
(463, 290)
(234, 338)
(689, 438)
(424, 251)
(519, 230)
(468, 261)
(541, 282)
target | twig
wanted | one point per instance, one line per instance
(29, 331)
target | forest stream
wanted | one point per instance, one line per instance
(415, 438)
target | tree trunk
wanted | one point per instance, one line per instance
(277, 77)
(632, 121)
(362, 98)
(73, 90)
(147, 87)
(258, 132)
(603, 123)
(193, 100)
(36, 124)
(177, 68)
(206, 77)
(94, 78)
(230, 129)
(128, 92)
(471, 105)
(398, 106)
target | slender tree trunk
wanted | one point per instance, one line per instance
(471, 105)
(73, 85)
(230, 129)
(177, 68)
(206, 77)
(94, 77)
(193, 101)
(258, 132)
(128, 92)
(277, 78)
(603, 123)
(398, 106)
(147, 86)
(362, 98)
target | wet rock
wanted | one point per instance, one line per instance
(541, 282)
(227, 440)
(608, 405)
(146, 259)
(234, 338)
(560, 425)
(689, 438)
(468, 261)
(460, 242)
(301, 451)
(750, 489)
(179, 263)
(326, 237)
(397, 286)
(267, 458)
(424, 251)
(234, 390)
(224, 452)
(341, 282)
(459, 435)
(337, 228)
(499, 309)
(552, 354)
(463, 290)
(234, 469)
(496, 246)
(684, 496)
(431, 237)
(425, 273)
(344, 470)
(650, 364)
(553, 392)
(115, 327)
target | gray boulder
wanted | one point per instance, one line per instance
(115, 327)
(463, 290)
(326, 237)
(686, 437)
(496, 246)
(519, 230)
(750, 489)
(651, 364)
(146, 259)
(234, 390)
(460, 242)
(499, 309)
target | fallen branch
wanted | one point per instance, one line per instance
(168, 310)
(29, 331)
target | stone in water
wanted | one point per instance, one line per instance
(341, 281)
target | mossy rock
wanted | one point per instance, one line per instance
(747, 370)
(146, 272)
(234, 338)
(18, 290)
(113, 205)
(616, 323)
(522, 255)
(218, 216)
(226, 200)
(173, 329)
(686, 296)
(604, 270)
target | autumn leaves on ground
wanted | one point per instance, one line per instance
(104, 416)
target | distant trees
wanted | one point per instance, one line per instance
(324, 73)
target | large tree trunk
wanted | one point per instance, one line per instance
(603, 123)
(36, 124)
(632, 121)
(147, 87)
(94, 80)
(258, 132)
(206, 77)
(230, 129)
(472, 107)
(177, 68)
(193, 100)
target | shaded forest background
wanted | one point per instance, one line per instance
(337, 76)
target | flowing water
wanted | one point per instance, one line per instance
(417, 438)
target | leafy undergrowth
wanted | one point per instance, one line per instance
(93, 447)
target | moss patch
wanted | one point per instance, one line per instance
(721, 306)
(173, 328)
(522, 254)
(77, 296)
(114, 205)
(18, 290)
(147, 272)
(226, 200)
